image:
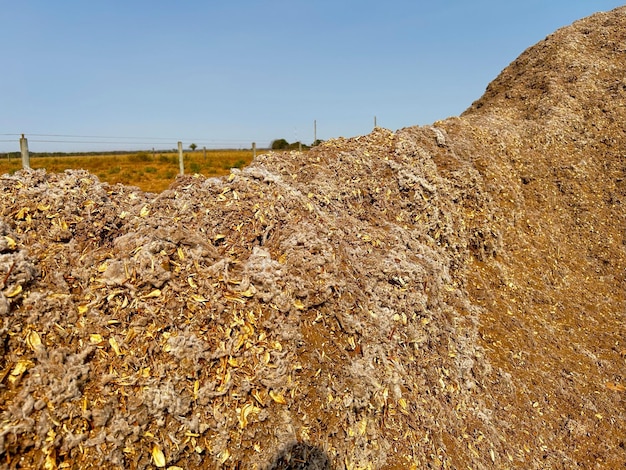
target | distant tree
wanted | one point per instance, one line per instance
(317, 142)
(279, 144)
(297, 145)
(193, 147)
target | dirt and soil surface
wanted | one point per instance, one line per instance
(449, 296)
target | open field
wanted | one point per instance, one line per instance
(150, 172)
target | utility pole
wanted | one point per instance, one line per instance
(314, 132)
(25, 155)
(180, 158)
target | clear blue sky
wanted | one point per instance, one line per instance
(143, 74)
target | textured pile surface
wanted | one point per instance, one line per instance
(450, 296)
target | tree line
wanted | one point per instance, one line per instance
(282, 144)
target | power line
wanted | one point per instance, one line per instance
(122, 138)
(173, 144)
(101, 137)
(89, 142)
(122, 143)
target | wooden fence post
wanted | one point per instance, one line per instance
(180, 158)
(24, 150)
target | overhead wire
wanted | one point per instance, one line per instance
(128, 141)
(123, 139)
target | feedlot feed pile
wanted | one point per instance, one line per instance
(447, 296)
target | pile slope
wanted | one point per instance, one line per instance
(447, 296)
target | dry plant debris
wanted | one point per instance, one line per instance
(450, 296)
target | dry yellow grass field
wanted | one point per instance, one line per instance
(150, 172)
